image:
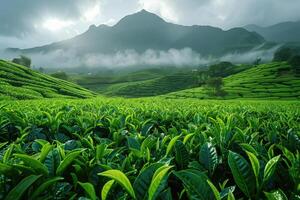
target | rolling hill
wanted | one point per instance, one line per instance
(143, 30)
(19, 82)
(280, 33)
(142, 83)
(267, 81)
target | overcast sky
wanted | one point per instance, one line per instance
(27, 23)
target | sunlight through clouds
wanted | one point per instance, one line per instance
(56, 24)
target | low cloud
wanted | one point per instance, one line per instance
(130, 58)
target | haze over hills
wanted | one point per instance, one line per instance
(280, 33)
(143, 30)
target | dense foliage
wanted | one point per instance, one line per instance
(23, 60)
(149, 149)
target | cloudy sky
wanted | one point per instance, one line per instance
(27, 23)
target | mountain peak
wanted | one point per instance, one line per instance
(143, 10)
(92, 27)
(141, 17)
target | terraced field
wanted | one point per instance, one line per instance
(266, 81)
(153, 87)
(141, 84)
(19, 82)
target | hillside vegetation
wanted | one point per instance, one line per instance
(142, 83)
(267, 81)
(151, 148)
(19, 82)
(153, 87)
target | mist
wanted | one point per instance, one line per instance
(66, 60)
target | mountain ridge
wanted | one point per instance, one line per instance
(144, 30)
(280, 32)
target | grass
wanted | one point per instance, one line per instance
(273, 80)
(19, 82)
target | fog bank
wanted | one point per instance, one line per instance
(130, 58)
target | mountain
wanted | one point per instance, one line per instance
(267, 81)
(145, 30)
(19, 82)
(280, 33)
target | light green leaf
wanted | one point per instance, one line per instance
(214, 189)
(255, 166)
(230, 196)
(36, 165)
(67, 161)
(44, 152)
(143, 181)
(100, 151)
(8, 153)
(3, 144)
(157, 179)
(106, 189)
(120, 178)
(171, 144)
(188, 137)
(89, 189)
(276, 195)
(270, 168)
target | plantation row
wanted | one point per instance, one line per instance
(19, 82)
(267, 81)
(149, 149)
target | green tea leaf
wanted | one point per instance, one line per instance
(171, 144)
(255, 166)
(42, 188)
(156, 182)
(208, 157)
(89, 189)
(36, 165)
(106, 188)
(195, 184)
(214, 189)
(270, 168)
(17, 192)
(120, 178)
(276, 195)
(67, 161)
(242, 173)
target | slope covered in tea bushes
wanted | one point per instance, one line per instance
(143, 83)
(19, 82)
(266, 81)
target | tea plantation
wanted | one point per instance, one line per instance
(151, 148)
(19, 82)
(267, 81)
